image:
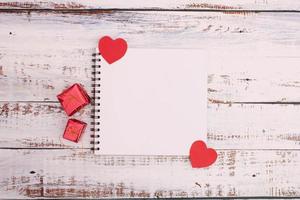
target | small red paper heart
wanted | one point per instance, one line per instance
(201, 156)
(112, 50)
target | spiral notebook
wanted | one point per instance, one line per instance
(151, 102)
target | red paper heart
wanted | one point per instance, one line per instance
(112, 50)
(201, 156)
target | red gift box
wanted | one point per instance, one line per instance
(73, 99)
(74, 130)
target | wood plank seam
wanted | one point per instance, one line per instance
(142, 10)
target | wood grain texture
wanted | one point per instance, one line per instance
(38, 61)
(82, 174)
(39, 71)
(152, 4)
(253, 126)
(252, 93)
(41, 125)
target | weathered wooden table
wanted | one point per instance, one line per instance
(253, 89)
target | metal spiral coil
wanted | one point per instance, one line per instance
(95, 113)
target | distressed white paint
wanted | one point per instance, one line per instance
(37, 61)
(41, 125)
(42, 53)
(252, 126)
(70, 173)
(153, 4)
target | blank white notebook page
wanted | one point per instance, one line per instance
(153, 102)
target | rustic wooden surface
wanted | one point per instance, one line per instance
(253, 95)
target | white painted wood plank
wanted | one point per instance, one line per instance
(40, 54)
(153, 4)
(74, 173)
(230, 126)
(268, 74)
(259, 126)
(39, 125)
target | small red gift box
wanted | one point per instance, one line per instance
(74, 130)
(73, 99)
